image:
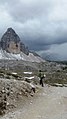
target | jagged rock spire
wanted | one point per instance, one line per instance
(10, 35)
(11, 42)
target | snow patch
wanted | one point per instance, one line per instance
(27, 72)
(14, 73)
(32, 77)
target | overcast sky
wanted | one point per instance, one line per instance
(41, 24)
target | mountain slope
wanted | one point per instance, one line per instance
(21, 56)
(12, 48)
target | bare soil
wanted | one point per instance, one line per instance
(49, 103)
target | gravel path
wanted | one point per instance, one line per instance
(51, 103)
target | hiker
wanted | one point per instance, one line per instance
(41, 76)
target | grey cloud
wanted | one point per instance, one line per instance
(41, 40)
(36, 45)
(39, 23)
(26, 10)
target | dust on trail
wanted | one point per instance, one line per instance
(51, 103)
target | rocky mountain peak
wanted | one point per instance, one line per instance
(10, 35)
(11, 43)
(10, 30)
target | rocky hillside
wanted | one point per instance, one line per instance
(11, 43)
(12, 92)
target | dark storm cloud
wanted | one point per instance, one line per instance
(44, 42)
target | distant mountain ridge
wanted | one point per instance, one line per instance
(54, 57)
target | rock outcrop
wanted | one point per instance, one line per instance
(13, 92)
(11, 43)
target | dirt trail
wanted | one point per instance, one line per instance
(51, 103)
